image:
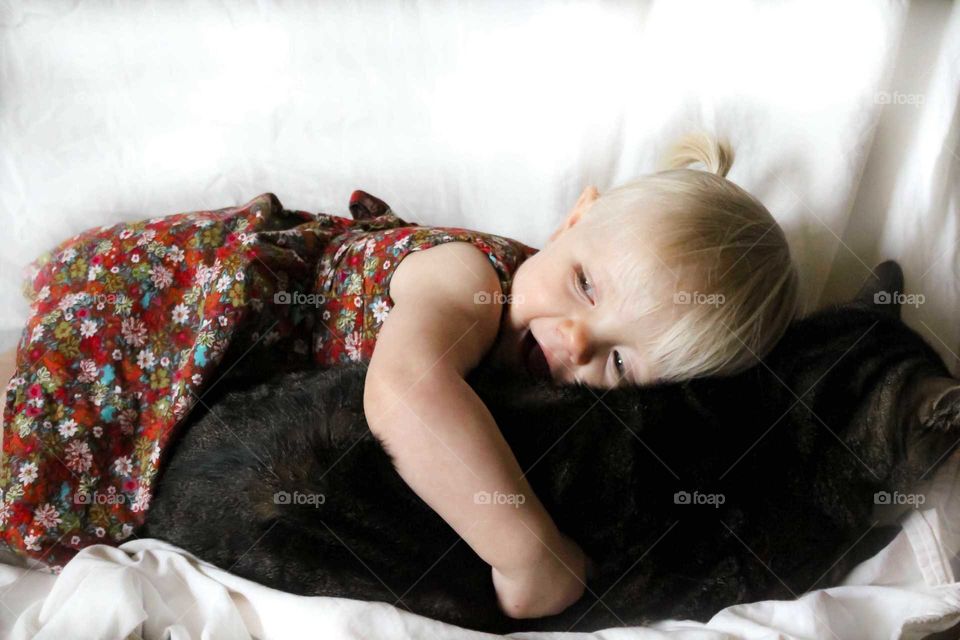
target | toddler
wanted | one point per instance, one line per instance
(671, 276)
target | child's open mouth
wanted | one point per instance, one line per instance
(532, 356)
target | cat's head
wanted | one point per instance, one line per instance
(864, 374)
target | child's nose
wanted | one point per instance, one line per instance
(575, 338)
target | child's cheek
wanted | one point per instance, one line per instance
(545, 287)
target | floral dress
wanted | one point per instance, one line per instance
(133, 323)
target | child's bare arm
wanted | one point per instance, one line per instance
(445, 443)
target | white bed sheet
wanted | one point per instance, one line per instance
(492, 116)
(148, 588)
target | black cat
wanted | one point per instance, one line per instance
(689, 497)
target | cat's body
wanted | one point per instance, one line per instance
(780, 466)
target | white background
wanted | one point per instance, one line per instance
(487, 115)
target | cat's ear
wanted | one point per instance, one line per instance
(883, 289)
(932, 422)
(940, 409)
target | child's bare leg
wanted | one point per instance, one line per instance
(7, 367)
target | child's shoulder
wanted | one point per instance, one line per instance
(446, 308)
(459, 271)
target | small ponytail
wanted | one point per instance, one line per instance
(715, 155)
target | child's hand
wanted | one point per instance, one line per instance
(547, 585)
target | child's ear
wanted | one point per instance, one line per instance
(587, 198)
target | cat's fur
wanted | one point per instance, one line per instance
(851, 402)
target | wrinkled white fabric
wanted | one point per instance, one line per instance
(487, 116)
(151, 588)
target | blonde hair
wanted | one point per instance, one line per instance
(718, 241)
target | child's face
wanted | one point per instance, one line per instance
(568, 298)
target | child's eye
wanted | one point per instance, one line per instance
(584, 283)
(618, 363)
